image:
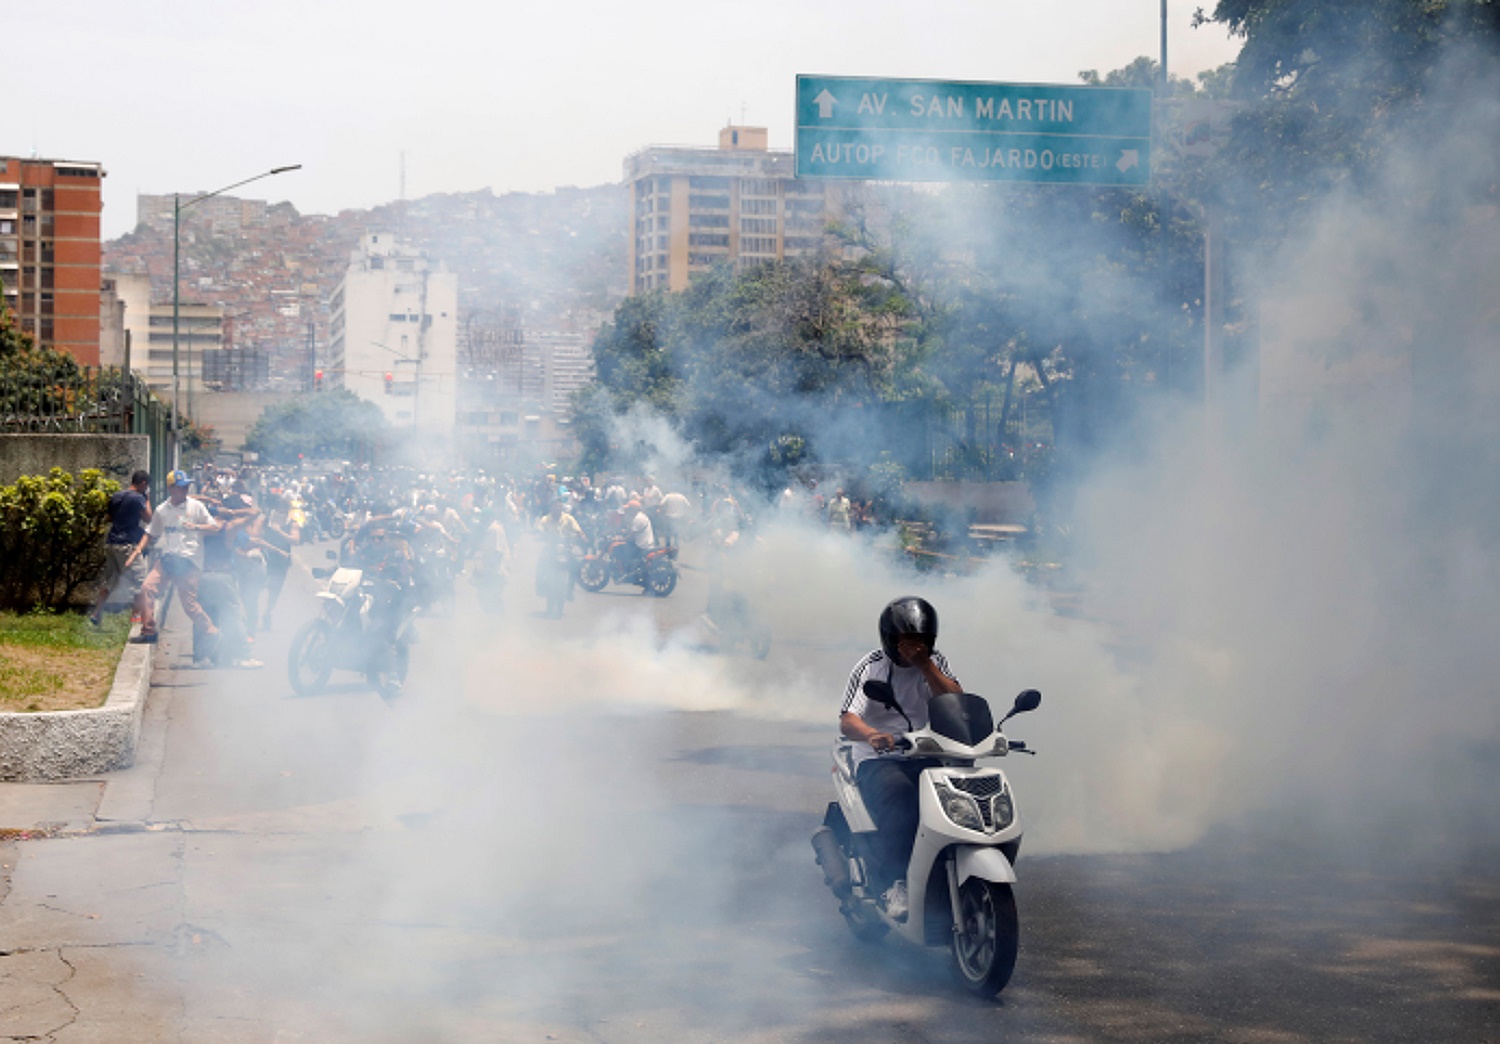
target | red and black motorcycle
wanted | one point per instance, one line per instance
(657, 575)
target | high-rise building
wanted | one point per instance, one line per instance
(694, 208)
(49, 251)
(394, 334)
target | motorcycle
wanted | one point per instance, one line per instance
(657, 575)
(962, 867)
(364, 624)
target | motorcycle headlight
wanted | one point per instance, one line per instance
(961, 809)
(1003, 810)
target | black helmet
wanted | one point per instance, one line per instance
(907, 617)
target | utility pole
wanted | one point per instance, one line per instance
(1163, 48)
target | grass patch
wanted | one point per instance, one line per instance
(58, 661)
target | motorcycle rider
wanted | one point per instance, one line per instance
(640, 539)
(908, 659)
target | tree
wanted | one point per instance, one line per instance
(1329, 87)
(336, 424)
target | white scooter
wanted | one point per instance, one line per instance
(968, 836)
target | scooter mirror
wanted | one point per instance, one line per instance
(1026, 700)
(882, 693)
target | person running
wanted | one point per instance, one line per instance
(124, 547)
(177, 552)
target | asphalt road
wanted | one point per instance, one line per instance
(563, 831)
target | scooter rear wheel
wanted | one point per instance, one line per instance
(987, 937)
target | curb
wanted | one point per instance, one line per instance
(45, 746)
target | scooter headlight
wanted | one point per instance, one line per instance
(1003, 810)
(960, 808)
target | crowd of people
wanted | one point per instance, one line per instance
(222, 538)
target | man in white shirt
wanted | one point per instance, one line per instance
(908, 659)
(177, 555)
(639, 537)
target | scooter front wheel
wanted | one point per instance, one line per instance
(310, 661)
(987, 936)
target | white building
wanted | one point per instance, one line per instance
(395, 335)
(566, 364)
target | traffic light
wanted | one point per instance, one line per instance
(388, 379)
(317, 380)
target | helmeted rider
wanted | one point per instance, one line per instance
(908, 659)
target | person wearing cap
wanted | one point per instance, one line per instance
(177, 553)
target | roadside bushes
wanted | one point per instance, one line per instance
(52, 536)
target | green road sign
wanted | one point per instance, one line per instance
(939, 130)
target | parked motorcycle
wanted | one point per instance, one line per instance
(364, 624)
(656, 576)
(962, 867)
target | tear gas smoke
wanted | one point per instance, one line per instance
(1293, 620)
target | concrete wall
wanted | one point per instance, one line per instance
(233, 414)
(115, 455)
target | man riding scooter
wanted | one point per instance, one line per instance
(908, 659)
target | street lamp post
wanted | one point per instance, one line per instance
(178, 206)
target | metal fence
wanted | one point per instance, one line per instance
(86, 401)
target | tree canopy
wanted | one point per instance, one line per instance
(333, 424)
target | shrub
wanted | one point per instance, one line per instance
(52, 536)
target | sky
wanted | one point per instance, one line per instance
(186, 96)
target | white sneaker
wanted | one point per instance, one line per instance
(893, 902)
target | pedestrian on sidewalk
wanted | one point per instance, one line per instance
(124, 548)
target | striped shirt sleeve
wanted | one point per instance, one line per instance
(854, 696)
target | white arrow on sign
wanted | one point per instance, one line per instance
(1128, 158)
(825, 103)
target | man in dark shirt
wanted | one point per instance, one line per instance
(129, 512)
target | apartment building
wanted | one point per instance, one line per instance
(49, 251)
(694, 208)
(200, 336)
(394, 334)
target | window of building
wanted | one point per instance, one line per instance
(398, 317)
(708, 220)
(8, 199)
(804, 206)
(708, 183)
(377, 263)
(704, 239)
(404, 264)
(758, 187)
(757, 244)
(705, 260)
(663, 222)
(706, 202)
(763, 226)
(757, 206)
